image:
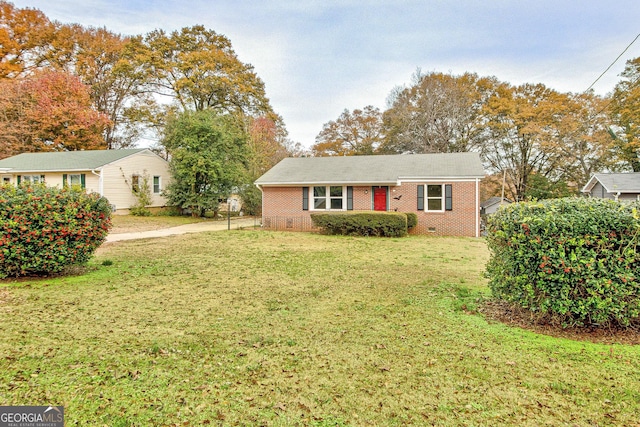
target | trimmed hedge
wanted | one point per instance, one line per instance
(573, 260)
(379, 224)
(44, 229)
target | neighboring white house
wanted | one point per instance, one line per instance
(110, 173)
(491, 205)
(616, 186)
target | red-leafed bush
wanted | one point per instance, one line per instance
(44, 229)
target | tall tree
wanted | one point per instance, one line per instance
(437, 113)
(266, 144)
(353, 133)
(521, 125)
(625, 112)
(207, 159)
(581, 138)
(15, 130)
(106, 63)
(50, 111)
(199, 69)
(25, 34)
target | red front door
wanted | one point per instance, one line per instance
(380, 199)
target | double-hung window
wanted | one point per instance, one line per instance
(330, 197)
(156, 185)
(435, 202)
(435, 197)
(74, 179)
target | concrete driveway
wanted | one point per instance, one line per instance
(187, 228)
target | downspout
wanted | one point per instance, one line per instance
(100, 181)
(477, 207)
(261, 204)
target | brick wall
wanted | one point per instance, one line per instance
(282, 208)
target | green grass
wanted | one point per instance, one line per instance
(266, 328)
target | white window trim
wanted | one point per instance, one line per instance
(427, 198)
(327, 197)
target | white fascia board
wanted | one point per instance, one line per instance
(307, 184)
(589, 186)
(17, 171)
(440, 179)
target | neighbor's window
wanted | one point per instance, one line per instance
(329, 197)
(32, 179)
(435, 196)
(75, 179)
(156, 185)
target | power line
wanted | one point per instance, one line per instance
(616, 60)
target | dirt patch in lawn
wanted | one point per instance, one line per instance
(133, 224)
(512, 315)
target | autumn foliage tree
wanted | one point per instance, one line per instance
(199, 69)
(25, 34)
(194, 69)
(625, 114)
(104, 62)
(50, 111)
(356, 132)
(437, 113)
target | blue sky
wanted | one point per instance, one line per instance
(318, 58)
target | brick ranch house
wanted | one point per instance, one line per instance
(442, 189)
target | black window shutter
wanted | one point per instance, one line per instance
(448, 198)
(64, 179)
(19, 179)
(305, 198)
(349, 198)
(420, 197)
(83, 180)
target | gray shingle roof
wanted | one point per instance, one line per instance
(493, 201)
(380, 170)
(616, 182)
(62, 161)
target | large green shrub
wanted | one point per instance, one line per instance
(380, 224)
(43, 229)
(575, 260)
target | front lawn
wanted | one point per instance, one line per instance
(269, 328)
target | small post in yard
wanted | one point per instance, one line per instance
(229, 213)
